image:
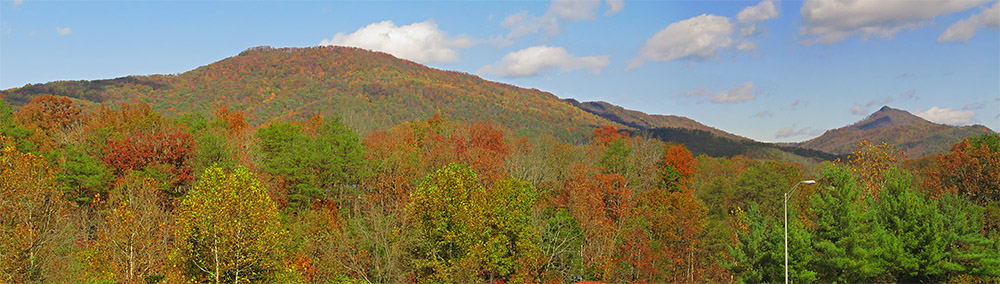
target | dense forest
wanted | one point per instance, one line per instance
(125, 194)
(373, 91)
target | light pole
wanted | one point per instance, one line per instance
(787, 194)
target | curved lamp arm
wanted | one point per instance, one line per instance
(789, 193)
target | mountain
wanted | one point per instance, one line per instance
(642, 121)
(703, 142)
(911, 134)
(369, 90)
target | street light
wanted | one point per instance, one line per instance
(787, 194)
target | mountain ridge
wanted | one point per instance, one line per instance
(912, 134)
(373, 90)
(370, 90)
(643, 121)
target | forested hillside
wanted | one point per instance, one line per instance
(704, 142)
(369, 90)
(911, 134)
(642, 121)
(121, 193)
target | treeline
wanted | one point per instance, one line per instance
(123, 195)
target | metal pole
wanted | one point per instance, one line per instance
(786, 234)
(787, 194)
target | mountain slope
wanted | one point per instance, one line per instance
(914, 135)
(369, 90)
(643, 121)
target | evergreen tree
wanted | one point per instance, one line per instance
(319, 160)
(969, 251)
(845, 241)
(759, 255)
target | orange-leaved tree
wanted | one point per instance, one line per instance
(677, 168)
(49, 113)
(971, 169)
(599, 202)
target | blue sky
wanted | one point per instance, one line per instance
(768, 70)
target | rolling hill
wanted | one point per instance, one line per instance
(911, 134)
(369, 90)
(642, 121)
(374, 90)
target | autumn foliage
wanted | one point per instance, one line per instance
(171, 148)
(31, 212)
(50, 113)
(220, 197)
(228, 230)
(971, 168)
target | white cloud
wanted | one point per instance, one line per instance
(421, 42)
(742, 93)
(878, 102)
(964, 30)
(17, 2)
(798, 103)
(694, 38)
(947, 115)
(574, 10)
(699, 92)
(522, 24)
(763, 11)
(834, 20)
(975, 105)
(750, 16)
(746, 46)
(858, 110)
(64, 31)
(614, 6)
(792, 131)
(541, 59)
(764, 114)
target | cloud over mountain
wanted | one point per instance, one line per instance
(421, 42)
(541, 59)
(947, 115)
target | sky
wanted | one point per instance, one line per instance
(769, 70)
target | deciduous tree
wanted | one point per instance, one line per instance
(131, 244)
(971, 169)
(471, 233)
(228, 230)
(31, 209)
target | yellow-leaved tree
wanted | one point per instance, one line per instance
(229, 231)
(131, 244)
(31, 209)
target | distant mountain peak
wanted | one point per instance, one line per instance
(912, 134)
(888, 117)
